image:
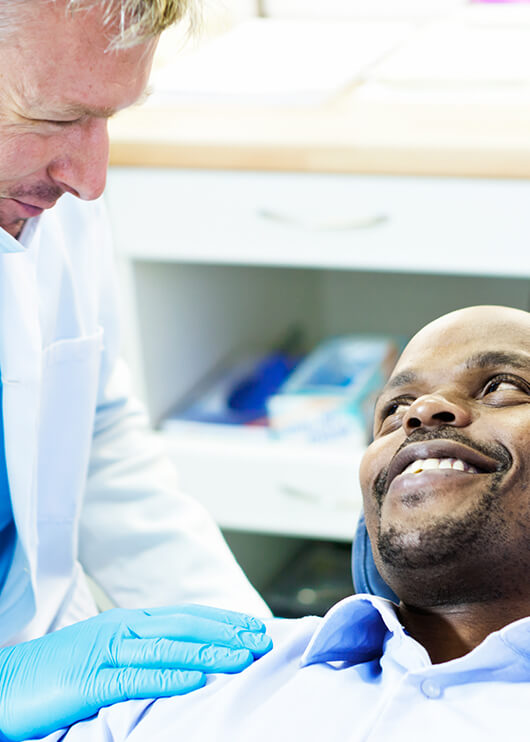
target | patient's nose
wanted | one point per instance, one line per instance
(433, 410)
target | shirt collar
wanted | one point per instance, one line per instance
(517, 636)
(354, 631)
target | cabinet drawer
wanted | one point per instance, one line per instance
(269, 487)
(408, 224)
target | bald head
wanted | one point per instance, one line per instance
(445, 480)
(488, 326)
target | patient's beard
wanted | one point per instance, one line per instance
(445, 562)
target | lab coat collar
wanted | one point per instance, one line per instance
(8, 243)
(354, 630)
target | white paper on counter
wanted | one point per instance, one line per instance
(266, 61)
(461, 53)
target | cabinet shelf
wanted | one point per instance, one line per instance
(252, 483)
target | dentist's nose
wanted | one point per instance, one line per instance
(430, 411)
(81, 169)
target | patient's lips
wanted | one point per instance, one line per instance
(438, 455)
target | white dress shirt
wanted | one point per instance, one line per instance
(354, 675)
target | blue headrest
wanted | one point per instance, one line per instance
(366, 578)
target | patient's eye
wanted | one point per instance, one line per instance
(391, 409)
(506, 388)
(392, 413)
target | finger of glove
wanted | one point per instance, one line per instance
(131, 682)
(232, 618)
(200, 631)
(163, 653)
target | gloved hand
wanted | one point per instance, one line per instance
(62, 677)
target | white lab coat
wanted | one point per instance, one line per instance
(89, 483)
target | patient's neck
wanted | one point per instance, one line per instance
(448, 632)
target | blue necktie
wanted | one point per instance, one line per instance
(7, 526)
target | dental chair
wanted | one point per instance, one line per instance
(366, 578)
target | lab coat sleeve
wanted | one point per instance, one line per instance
(141, 540)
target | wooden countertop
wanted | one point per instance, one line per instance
(359, 133)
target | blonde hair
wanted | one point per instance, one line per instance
(131, 21)
(139, 20)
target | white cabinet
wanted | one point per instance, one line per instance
(451, 226)
(215, 262)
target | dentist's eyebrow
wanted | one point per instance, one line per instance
(498, 358)
(77, 110)
(100, 112)
(74, 111)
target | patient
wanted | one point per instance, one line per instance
(446, 486)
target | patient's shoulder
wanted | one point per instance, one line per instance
(293, 634)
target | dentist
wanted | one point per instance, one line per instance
(84, 488)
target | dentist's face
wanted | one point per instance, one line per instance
(446, 481)
(58, 87)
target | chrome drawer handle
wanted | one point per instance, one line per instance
(334, 225)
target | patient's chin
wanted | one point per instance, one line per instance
(442, 539)
(430, 546)
(444, 561)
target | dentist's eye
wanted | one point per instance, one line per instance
(59, 123)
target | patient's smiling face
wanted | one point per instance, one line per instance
(446, 480)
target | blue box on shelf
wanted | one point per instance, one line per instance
(329, 397)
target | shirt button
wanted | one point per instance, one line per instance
(430, 689)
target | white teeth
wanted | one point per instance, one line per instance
(426, 464)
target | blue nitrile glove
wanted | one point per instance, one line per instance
(60, 678)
